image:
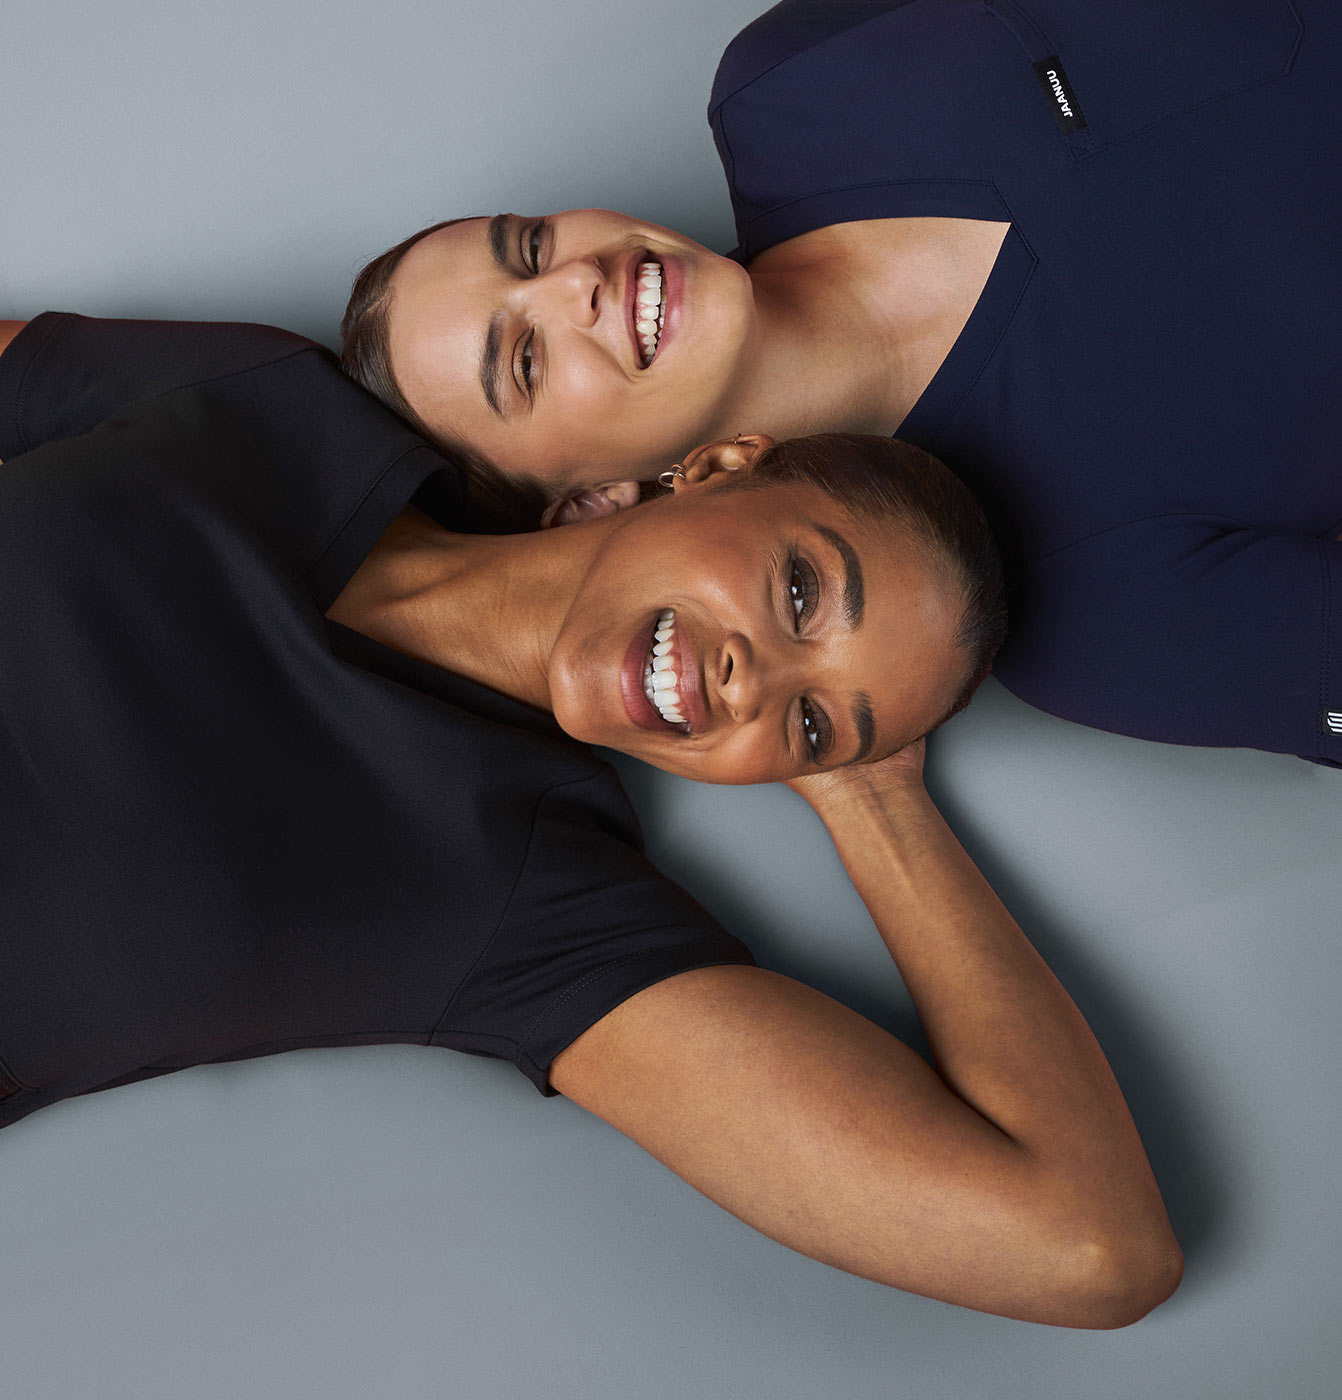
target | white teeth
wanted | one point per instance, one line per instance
(649, 310)
(659, 679)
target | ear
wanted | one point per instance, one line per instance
(595, 501)
(736, 454)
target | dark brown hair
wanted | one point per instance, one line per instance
(885, 479)
(498, 502)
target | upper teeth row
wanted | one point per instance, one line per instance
(648, 308)
(659, 679)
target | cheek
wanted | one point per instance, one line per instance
(749, 756)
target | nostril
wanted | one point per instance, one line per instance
(727, 671)
(594, 292)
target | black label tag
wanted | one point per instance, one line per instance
(1330, 721)
(1059, 93)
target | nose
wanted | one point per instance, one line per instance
(571, 292)
(748, 674)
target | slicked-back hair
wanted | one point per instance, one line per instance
(883, 479)
(504, 503)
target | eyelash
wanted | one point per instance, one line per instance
(803, 589)
(532, 237)
(531, 250)
(803, 596)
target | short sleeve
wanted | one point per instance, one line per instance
(590, 922)
(63, 374)
(1190, 632)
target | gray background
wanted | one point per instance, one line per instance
(397, 1222)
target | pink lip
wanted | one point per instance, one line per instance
(673, 280)
(688, 680)
(638, 707)
(630, 288)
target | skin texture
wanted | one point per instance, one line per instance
(1008, 1178)
(839, 329)
(758, 591)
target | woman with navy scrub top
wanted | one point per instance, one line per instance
(1085, 254)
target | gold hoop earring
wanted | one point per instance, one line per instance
(668, 477)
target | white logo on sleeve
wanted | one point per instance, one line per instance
(1332, 721)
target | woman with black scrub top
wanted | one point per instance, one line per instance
(287, 760)
(1087, 254)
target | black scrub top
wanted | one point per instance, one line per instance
(1148, 395)
(229, 827)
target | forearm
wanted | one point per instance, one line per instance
(1006, 1037)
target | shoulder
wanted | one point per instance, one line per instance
(789, 31)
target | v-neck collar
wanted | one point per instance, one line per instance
(974, 346)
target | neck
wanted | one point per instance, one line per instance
(448, 599)
(853, 321)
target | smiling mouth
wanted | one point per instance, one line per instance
(660, 682)
(649, 309)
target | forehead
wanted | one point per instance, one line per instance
(437, 295)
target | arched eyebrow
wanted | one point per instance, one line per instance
(854, 587)
(865, 723)
(491, 362)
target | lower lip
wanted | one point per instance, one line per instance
(636, 704)
(673, 278)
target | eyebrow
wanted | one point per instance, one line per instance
(491, 362)
(865, 722)
(854, 588)
(497, 234)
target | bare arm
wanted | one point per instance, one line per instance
(8, 330)
(1010, 1179)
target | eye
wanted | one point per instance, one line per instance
(532, 252)
(526, 362)
(803, 590)
(816, 730)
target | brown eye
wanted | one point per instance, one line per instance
(534, 237)
(816, 730)
(803, 590)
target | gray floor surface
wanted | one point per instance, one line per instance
(401, 1222)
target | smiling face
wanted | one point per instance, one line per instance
(576, 348)
(798, 638)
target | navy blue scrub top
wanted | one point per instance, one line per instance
(1148, 395)
(227, 826)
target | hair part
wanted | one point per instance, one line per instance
(499, 502)
(887, 480)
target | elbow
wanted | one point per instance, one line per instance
(1113, 1281)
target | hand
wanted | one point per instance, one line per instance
(901, 772)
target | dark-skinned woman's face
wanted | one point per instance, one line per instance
(744, 636)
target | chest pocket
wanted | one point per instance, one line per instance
(1111, 71)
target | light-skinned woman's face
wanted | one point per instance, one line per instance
(795, 637)
(575, 348)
